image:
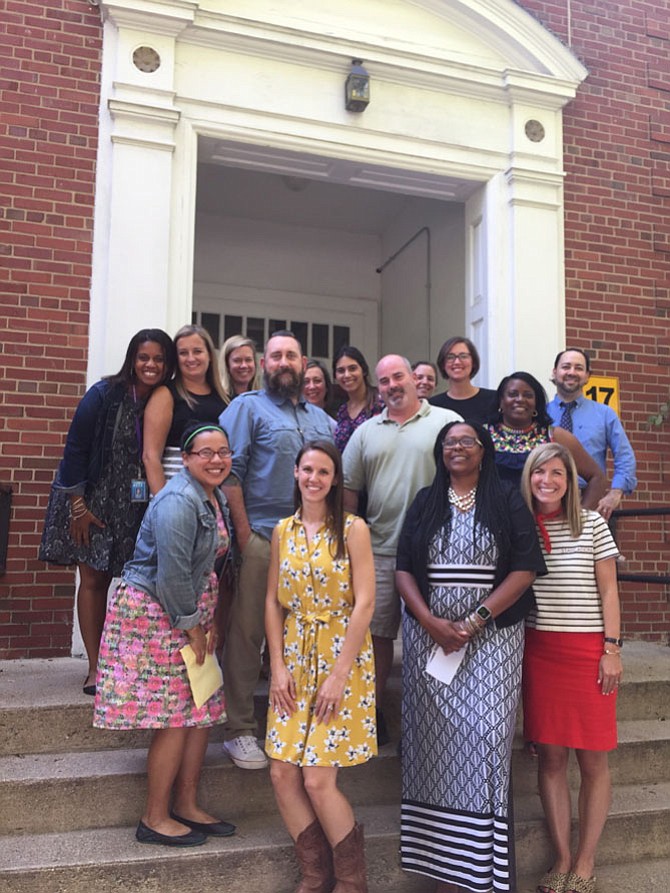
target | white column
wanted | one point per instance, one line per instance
(135, 212)
(133, 293)
(523, 291)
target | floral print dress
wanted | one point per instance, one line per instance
(142, 681)
(317, 592)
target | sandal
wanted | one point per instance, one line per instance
(576, 884)
(553, 882)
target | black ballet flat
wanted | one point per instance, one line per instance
(89, 690)
(211, 829)
(145, 834)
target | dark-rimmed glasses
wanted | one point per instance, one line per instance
(207, 453)
(450, 443)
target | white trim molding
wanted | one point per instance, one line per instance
(454, 85)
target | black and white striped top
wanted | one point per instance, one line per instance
(567, 598)
(470, 576)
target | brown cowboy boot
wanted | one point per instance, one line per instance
(349, 861)
(315, 857)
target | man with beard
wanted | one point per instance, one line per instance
(391, 457)
(596, 426)
(265, 429)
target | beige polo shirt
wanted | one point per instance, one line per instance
(393, 462)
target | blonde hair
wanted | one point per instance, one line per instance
(211, 376)
(228, 346)
(570, 501)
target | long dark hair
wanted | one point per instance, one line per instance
(354, 354)
(490, 502)
(542, 418)
(334, 499)
(126, 374)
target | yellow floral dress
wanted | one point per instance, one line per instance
(317, 592)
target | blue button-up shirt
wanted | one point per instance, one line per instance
(598, 427)
(265, 433)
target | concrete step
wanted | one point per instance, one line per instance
(643, 876)
(71, 796)
(637, 828)
(54, 686)
(258, 858)
(61, 791)
(643, 756)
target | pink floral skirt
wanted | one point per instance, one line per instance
(142, 681)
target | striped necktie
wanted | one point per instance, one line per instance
(566, 417)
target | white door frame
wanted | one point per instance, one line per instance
(464, 92)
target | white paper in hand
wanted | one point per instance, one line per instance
(443, 666)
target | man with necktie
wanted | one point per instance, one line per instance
(596, 426)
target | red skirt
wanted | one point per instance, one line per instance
(562, 700)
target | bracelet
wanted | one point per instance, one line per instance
(617, 653)
(471, 624)
(79, 512)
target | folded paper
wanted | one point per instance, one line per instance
(443, 667)
(205, 678)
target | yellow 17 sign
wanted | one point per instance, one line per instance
(603, 389)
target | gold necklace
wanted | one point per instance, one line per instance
(465, 502)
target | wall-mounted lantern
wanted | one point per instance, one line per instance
(357, 88)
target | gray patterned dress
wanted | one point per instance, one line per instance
(108, 499)
(457, 739)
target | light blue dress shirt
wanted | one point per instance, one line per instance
(597, 427)
(265, 433)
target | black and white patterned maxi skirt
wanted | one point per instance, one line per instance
(457, 738)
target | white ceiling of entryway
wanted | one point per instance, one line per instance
(269, 184)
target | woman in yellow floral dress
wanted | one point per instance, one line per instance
(321, 714)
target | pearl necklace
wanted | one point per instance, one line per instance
(465, 502)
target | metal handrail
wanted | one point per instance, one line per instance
(658, 579)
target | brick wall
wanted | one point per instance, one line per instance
(49, 96)
(617, 192)
(617, 236)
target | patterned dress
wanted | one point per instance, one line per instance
(345, 425)
(457, 738)
(142, 681)
(108, 499)
(513, 446)
(317, 592)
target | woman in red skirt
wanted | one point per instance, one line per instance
(572, 663)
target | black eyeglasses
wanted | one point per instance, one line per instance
(207, 453)
(450, 443)
(452, 357)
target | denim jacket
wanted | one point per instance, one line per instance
(90, 439)
(176, 548)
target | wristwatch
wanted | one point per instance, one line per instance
(483, 612)
(612, 641)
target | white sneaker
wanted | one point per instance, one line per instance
(245, 752)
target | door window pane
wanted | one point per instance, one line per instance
(232, 325)
(320, 341)
(299, 329)
(340, 337)
(256, 329)
(210, 322)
